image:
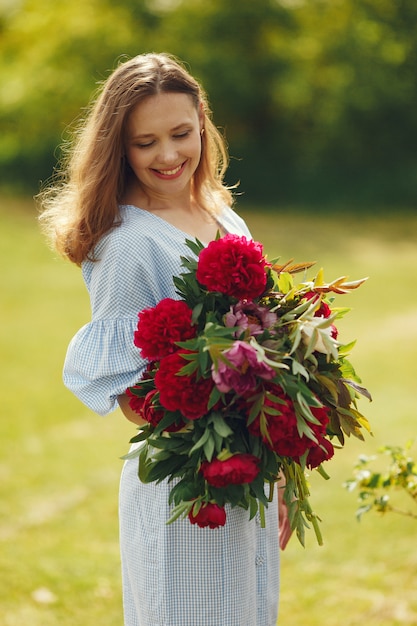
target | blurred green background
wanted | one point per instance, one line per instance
(318, 98)
(318, 102)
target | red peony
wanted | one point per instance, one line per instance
(182, 393)
(323, 310)
(234, 266)
(237, 470)
(317, 454)
(135, 402)
(283, 436)
(146, 409)
(160, 327)
(210, 514)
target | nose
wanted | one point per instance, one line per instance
(168, 153)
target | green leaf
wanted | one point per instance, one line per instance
(253, 507)
(298, 368)
(180, 510)
(189, 369)
(215, 396)
(144, 464)
(209, 447)
(196, 312)
(200, 443)
(358, 388)
(220, 426)
(195, 246)
(285, 282)
(141, 436)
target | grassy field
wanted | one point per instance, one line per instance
(60, 464)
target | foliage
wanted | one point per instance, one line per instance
(60, 464)
(317, 98)
(375, 486)
(274, 385)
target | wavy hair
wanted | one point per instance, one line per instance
(83, 202)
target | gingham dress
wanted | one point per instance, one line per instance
(177, 574)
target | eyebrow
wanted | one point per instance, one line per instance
(172, 130)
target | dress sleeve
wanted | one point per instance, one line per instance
(102, 360)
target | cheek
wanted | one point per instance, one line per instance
(195, 147)
(136, 159)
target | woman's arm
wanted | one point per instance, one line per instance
(123, 401)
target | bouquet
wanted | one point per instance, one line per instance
(247, 384)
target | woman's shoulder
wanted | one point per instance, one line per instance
(132, 230)
(140, 238)
(233, 222)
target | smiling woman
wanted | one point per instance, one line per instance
(97, 178)
(146, 174)
(163, 149)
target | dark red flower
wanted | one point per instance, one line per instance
(324, 310)
(146, 408)
(186, 394)
(317, 455)
(153, 413)
(234, 266)
(135, 402)
(282, 433)
(237, 470)
(160, 327)
(210, 514)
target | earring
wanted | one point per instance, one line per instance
(202, 131)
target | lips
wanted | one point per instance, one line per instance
(169, 174)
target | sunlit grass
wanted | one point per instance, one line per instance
(366, 572)
(60, 465)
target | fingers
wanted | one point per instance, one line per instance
(285, 533)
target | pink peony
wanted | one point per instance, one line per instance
(242, 370)
(250, 316)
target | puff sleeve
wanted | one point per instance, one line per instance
(132, 272)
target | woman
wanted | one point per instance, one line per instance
(145, 173)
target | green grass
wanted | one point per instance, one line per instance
(60, 464)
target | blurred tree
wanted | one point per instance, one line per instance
(231, 48)
(53, 53)
(360, 121)
(317, 97)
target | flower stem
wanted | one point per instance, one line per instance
(262, 514)
(309, 513)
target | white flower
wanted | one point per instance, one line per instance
(317, 335)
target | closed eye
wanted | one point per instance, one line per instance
(145, 145)
(182, 135)
(179, 136)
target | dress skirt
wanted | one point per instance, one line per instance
(183, 575)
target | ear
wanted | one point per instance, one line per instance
(201, 116)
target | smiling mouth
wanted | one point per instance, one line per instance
(176, 171)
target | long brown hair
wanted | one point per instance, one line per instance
(83, 204)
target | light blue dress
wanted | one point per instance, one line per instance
(177, 574)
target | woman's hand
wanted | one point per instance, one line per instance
(123, 401)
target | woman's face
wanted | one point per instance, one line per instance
(163, 144)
